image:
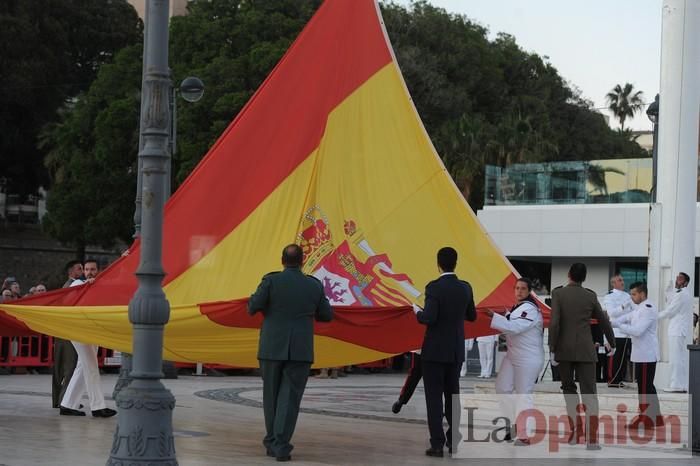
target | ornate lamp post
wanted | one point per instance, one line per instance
(144, 432)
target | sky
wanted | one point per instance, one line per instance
(594, 44)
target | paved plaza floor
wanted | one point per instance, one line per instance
(219, 421)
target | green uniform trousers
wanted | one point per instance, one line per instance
(283, 387)
(584, 373)
(64, 360)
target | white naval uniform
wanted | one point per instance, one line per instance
(679, 310)
(86, 377)
(523, 328)
(641, 326)
(618, 303)
(486, 346)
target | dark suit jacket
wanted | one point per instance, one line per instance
(290, 301)
(448, 303)
(570, 339)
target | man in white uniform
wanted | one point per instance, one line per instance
(679, 311)
(87, 373)
(617, 304)
(641, 325)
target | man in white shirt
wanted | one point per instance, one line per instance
(679, 311)
(641, 325)
(617, 304)
(86, 377)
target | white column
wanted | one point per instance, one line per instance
(672, 235)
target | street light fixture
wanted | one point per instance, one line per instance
(653, 115)
(653, 110)
(192, 89)
(144, 433)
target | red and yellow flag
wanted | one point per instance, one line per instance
(330, 153)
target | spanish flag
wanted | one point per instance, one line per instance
(330, 153)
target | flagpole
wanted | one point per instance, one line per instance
(144, 432)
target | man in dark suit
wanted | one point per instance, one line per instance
(448, 303)
(572, 347)
(290, 301)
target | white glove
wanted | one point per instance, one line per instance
(611, 352)
(416, 308)
(553, 361)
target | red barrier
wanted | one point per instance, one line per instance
(28, 351)
(37, 351)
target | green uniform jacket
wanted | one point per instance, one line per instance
(290, 301)
(570, 338)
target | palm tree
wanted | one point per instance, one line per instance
(595, 175)
(623, 102)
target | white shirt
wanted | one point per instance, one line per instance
(523, 331)
(641, 325)
(618, 303)
(76, 282)
(679, 309)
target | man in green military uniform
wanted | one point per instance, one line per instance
(290, 301)
(572, 348)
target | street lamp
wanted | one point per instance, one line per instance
(653, 114)
(191, 89)
(144, 433)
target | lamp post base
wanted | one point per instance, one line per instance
(144, 436)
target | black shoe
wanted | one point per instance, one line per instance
(396, 407)
(436, 452)
(70, 412)
(105, 412)
(284, 458)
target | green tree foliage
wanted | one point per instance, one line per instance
(624, 102)
(490, 102)
(483, 102)
(92, 158)
(50, 50)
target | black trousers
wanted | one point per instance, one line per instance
(415, 373)
(441, 381)
(617, 363)
(646, 391)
